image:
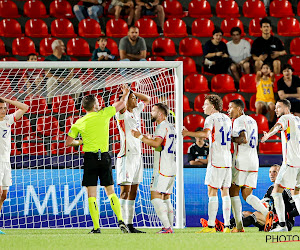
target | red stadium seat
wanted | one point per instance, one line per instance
(288, 26)
(37, 104)
(195, 83)
(14, 150)
(254, 27)
(147, 27)
(199, 102)
(62, 28)
(190, 46)
(8, 9)
(277, 77)
(113, 128)
(262, 122)
(248, 83)
(186, 105)
(252, 103)
(186, 146)
(254, 8)
(23, 46)
(193, 121)
(295, 63)
(199, 8)
(164, 84)
(228, 23)
(116, 28)
(48, 126)
(155, 58)
(222, 83)
(116, 146)
(5, 85)
(189, 65)
(61, 9)
(36, 28)
(10, 28)
(58, 146)
(230, 97)
(281, 8)
(63, 104)
(78, 47)
(89, 28)
(3, 51)
(45, 46)
(203, 27)
(35, 9)
(175, 27)
(249, 40)
(295, 46)
(21, 127)
(271, 148)
(32, 146)
(298, 9)
(9, 59)
(173, 8)
(69, 122)
(227, 8)
(163, 46)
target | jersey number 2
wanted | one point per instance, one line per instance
(4, 133)
(170, 149)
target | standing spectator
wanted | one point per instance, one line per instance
(239, 51)
(133, 47)
(116, 6)
(62, 77)
(215, 51)
(198, 152)
(289, 88)
(150, 8)
(267, 48)
(102, 53)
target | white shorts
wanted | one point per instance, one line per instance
(5, 175)
(244, 178)
(218, 177)
(162, 184)
(129, 169)
(288, 177)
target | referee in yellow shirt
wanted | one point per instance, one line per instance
(94, 130)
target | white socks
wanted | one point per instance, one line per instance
(123, 209)
(296, 199)
(226, 205)
(213, 205)
(130, 211)
(256, 204)
(161, 211)
(237, 211)
(170, 211)
(279, 206)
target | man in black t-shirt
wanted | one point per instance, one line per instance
(267, 48)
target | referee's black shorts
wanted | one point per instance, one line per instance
(94, 169)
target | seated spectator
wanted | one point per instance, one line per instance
(239, 52)
(265, 100)
(133, 47)
(60, 80)
(127, 6)
(215, 51)
(198, 152)
(289, 88)
(267, 48)
(150, 8)
(102, 53)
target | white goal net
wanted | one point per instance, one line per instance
(46, 190)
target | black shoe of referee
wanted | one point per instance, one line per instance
(134, 230)
(97, 231)
(123, 227)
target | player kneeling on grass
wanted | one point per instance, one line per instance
(5, 143)
(94, 130)
(164, 168)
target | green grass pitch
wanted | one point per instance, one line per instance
(114, 239)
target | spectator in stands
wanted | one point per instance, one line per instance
(150, 8)
(265, 100)
(198, 152)
(60, 80)
(116, 6)
(239, 51)
(133, 47)
(289, 88)
(215, 51)
(267, 48)
(102, 53)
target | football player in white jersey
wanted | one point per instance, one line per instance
(130, 162)
(289, 173)
(245, 164)
(217, 128)
(164, 168)
(5, 143)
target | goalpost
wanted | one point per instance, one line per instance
(46, 190)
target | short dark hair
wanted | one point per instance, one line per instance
(31, 54)
(2, 101)
(234, 29)
(266, 63)
(239, 103)
(102, 38)
(198, 129)
(162, 107)
(287, 66)
(265, 20)
(217, 30)
(88, 102)
(216, 101)
(133, 27)
(286, 102)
